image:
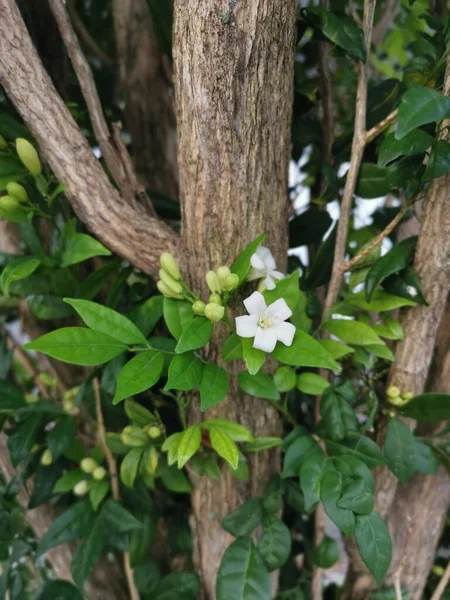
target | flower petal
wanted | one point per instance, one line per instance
(265, 339)
(285, 332)
(267, 257)
(269, 283)
(246, 326)
(257, 262)
(276, 274)
(255, 304)
(256, 274)
(279, 310)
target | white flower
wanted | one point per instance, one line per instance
(263, 267)
(266, 323)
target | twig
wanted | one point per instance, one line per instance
(388, 15)
(112, 467)
(398, 585)
(438, 592)
(371, 134)
(27, 364)
(377, 240)
(86, 37)
(358, 144)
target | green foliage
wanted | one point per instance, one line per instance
(400, 450)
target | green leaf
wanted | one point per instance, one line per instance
(374, 544)
(23, 439)
(139, 414)
(103, 319)
(245, 518)
(352, 332)
(287, 288)
(20, 268)
(330, 492)
(309, 227)
(176, 481)
(61, 436)
(78, 346)
(390, 329)
(196, 335)
(98, 492)
(312, 469)
(275, 543)
(373, 181)
(118, 519)
(47, 307)
(273, 495)
(75, 522)
(427, 462)
(305, 351)
(11, 398)
(68, 481)
(238, 433)
(185, 372)
(327, 553)
(400, 450)
(311, 383)
(381, 301)
(242, 574)
(296, 453)
(178, 586)
(407, 286)
(59, 590)
(438, 161)
(259, 385)
(213, 386)
(415, 142)
(224, 446)
(80, 247)
(336, 349)
(140, 373)
(420, 105)
(241, 265)
(171, 445)
(428, 408)
(359, 446)
(260, 444)
(350, 466)
(340, 31)
(147, 314)
(332, 417)
(178, 316)
(357, 497)
(87, 553)
(232, 348)
(285, 379)
(189, 443)
(254, 358)
(141, 540)
(130, 465)
(395, 260)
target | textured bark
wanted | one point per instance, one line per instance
(130, 232)
(145, 82)
(234, 86)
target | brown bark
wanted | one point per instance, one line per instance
(234, 86)
(145, 75)
(128, 231)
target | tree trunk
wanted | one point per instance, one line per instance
(234, 87)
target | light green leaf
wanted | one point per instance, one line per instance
(238, 433)
(260, 444)
(305, 351)
(232, 348)
(311, 383)
(20, 268)
(130, 465)
(147, 314)
(68, 481)
(420, 105)
(374, 544)
(78, 346)
(189, 444)
(287, 288)
(98, 492)
(196, 335)
(285, 379)
(80, 247)
(381, 301)
(352, 332)
(275, 543)
(336, 349)
(259, 385)
(254, 358)
(105, 320)
(224, 446)
(380, 351)
(139, 414)
(139, 374)
(213, 386)
(185, 372)
(245, 518)
(171, 445)
(241, 265)
(178, 315)
(176, 481)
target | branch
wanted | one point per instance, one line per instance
(86, 37)
(358, 145)
(25, 361)
(387, 16)
(443, 583)
(112, 467)
(128, 231)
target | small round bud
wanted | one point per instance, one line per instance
(199, 307)
(169, 264)
(70, 407)
(391, 413)
(81, 488)
(99, 473)
(393, 391)
(213, 283)
(170, 282)
(407, 396)
(154, 432)
(438, 570)
(216, 298)
(133, 436)
(17, 191)
(8, 202)
(231, 282)
(3, 143)
(46, 458)
(31, 398)
(222, 274)
(152, 461)
(285, 379)
(28, 156)
(88, 465)
(166, 291)
(396, 401)
(214, 312)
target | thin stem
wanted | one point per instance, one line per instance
(438, 592)
(371, 134)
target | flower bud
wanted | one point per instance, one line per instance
(173, 285)
(222, 274)
(213, 283)
(3, 143)
(133, 436)
(216, 298)
(199, 307)
(438, 570)
(151, 459)
(46, 458)
(99, 473)
(393, 391)
(396, 400)
(70, 407)
(169, 264)
(81, 488)
(407, 396)
(17, 191)
(154, 432)
(214, 312)
(31, 398)
(88, 465)
(231, 282)
(166, 291)
(28, 156)
(8, 202)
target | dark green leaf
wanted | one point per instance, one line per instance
(296, 454)
(428, 408)
(406, 285)
(350, 466)
(427, 462)
(87, 553)
(305, 351)
(357, 497)
(359, 446)
(381, 301)
(141, 541)
(374, 544)
(117, 518)
(309, 227)
(373, 181)
(176, 481)
(80, 247)
(275, 543)
(312, 470)
(213, 386)
(245, 518)
(336, 349)
(68, 481)
(98, 492)
(259, 385)
(420, 105)
(439, 160)
(62, 435)
(140, 373)
(196, 335)
(75, 522)
(178, 586)
(330, 492)
(327, 553)
(185, 372)
(139, 414)
(241, 265)
(11, 398)
(21, 442)
(47, 307)
(59, 590)
(415, 142)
